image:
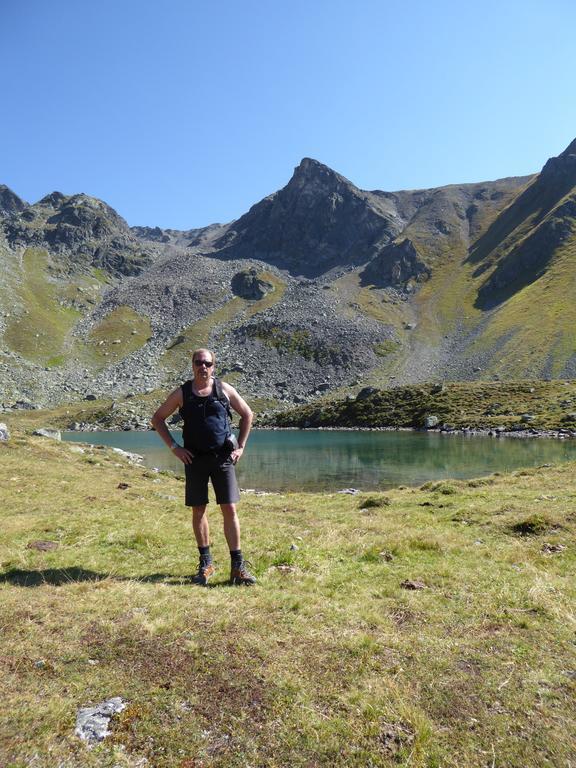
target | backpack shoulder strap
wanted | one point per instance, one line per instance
(221, 396)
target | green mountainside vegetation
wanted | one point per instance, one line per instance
(540, 405)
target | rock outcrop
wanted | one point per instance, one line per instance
(249, 286)
(10, 203)
(398, 265)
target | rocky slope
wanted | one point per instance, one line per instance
(321, 287)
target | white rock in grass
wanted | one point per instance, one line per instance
(54, 434)
(133, 458)
(92, 722)
(4, 433)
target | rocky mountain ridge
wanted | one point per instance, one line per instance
(320, 287)
(85, 232)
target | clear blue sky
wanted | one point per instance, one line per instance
(183, 113)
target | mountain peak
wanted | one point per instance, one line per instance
(315, 172)
(309, 164)
(561, 170)
(54, 199)
(10, 202)
(570, 149)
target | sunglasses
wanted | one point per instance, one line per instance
(207, 363)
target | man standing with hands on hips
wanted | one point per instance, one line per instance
(210, 451)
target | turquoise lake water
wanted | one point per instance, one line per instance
(318, 460)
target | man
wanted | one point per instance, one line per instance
(208, 453)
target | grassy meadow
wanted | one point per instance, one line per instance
(420, 627)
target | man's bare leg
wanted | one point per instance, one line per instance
(231, 526)
(200, 526)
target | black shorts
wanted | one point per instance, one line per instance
(220, 470)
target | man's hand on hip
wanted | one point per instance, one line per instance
(183, 454)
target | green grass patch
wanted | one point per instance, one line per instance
(121, 332)
(387, 347)
(179, 351)
(373, 502)
(56, 361)
(517, 332)
(41, 320)
(296, 342)
(331, 660)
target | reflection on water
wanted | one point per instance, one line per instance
(317, 460)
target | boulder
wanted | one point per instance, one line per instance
(431, 421)
(23, 405)
(248, 285)
(4, 433)
(411, 584)
(398, 264)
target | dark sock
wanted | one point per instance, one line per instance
(236, 556)
(205, 556)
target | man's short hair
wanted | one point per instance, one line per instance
(206, 351)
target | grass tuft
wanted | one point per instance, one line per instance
(372, 502)
(533, 525)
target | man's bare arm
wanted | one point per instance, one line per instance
(245, 412)
(158, 421)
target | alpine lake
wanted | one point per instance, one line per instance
(333, 460)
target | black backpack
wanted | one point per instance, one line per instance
(217, 394)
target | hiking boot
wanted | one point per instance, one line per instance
(239, 574)
(205, 571)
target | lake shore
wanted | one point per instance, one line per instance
(514, 408)
(561, 434)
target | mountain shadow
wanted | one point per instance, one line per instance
(521, 242)
(530, 259)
